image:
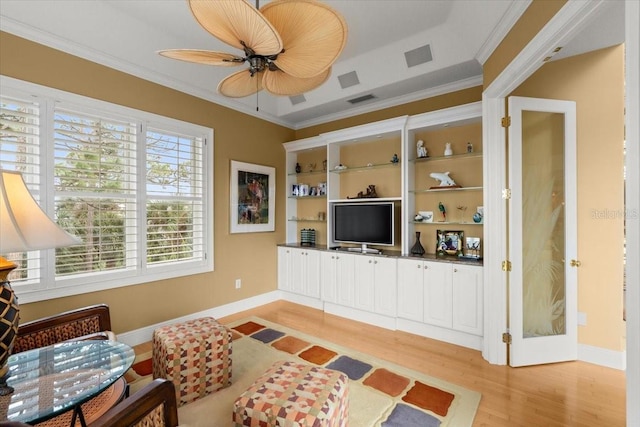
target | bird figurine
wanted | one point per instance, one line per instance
(443, 211)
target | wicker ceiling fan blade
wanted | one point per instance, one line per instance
(241, 84)
(281, 83)
(207, 57)
(236, 21)
(313, 34)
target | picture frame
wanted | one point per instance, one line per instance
(252, 198)
(450, 242)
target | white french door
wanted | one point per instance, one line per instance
(542, 231)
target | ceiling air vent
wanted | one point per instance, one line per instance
(418, 56)
(348, 80)
(297, 99)
(361, 99)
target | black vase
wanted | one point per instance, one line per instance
(417, 248)
(298, 168)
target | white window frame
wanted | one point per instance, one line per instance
(48, 286)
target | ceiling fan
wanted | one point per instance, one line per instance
(289, 45)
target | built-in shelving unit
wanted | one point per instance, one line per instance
(347, 161)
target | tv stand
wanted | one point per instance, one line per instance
(365, 250)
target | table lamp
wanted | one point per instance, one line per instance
(23, 227)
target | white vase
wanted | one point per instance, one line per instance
(447, 149)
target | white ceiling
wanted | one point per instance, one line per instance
(126, 34)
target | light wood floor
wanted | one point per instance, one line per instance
(562, 394)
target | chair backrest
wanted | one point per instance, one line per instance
(92, 322)
(153, 405)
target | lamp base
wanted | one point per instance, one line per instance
(9, 319)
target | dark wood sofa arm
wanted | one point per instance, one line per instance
(92, 322)
(155, 404)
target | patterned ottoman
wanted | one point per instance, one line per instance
(295, 394)
(195, 355)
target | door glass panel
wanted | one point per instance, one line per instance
(543, 224)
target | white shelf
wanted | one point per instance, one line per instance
(365, 168)
(446, 223)
(446, 190)
(367, 199)
(452, 157)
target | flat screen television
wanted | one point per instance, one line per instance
(364, 223)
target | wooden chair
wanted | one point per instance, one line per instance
(92, 322)
(153, 405)
(87, 323)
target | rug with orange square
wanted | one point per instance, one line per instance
(381, 393)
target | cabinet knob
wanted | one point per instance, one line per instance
(419, 266)
(369, 261)
(455, 270)
(332, 257)
(375, 262)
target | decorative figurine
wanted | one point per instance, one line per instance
(311, 166)
(443, 211)
(447, 149)
(369, 194)
(395, 159)
(324, 165)
(444, 178)
(469, 147)
(298, 168)
(422, 152)
(340, 167)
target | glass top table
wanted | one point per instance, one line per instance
(51, 380)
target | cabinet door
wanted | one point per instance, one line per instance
(329, 276)
(284, 269)
(298, 273)
(345, 283)
(365, 276)
(410, 289)
(468, 300)
(312, 274)
(437, 293)
(385, 286)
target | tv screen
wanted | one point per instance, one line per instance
(364, 223)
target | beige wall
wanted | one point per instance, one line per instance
(530, 23)
(595, 81)
(251, 257)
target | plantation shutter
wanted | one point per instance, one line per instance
(20, 152)
(95, 187)
(175, 203)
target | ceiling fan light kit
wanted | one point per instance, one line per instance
(289, 45)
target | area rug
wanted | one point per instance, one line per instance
(381, 393)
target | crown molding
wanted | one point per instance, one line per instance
(508, 20)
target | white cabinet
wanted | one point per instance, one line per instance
(337, 275)
(441, 294)
(299, 271)
(468, 300)
(376, 287)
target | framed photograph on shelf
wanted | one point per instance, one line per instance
(450, 242)
(253, 197)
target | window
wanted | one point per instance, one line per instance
(135, 187)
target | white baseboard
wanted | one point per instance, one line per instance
(139, 336)
(586, 353)
(602, 356)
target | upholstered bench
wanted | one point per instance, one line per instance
(293, 394)
(195, 355)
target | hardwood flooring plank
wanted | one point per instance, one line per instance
(561, 394)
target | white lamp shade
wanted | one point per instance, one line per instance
(23, 225)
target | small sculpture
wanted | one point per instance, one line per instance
(443, 211)
(395, 159)
(298, 168)
(369, 194)
(422, 152)
(340, 167)
(469, 147)
(444, 178)
(447, 149)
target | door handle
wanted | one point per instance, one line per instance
(575, 263)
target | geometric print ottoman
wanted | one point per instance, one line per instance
(295, 394)
(195, 355)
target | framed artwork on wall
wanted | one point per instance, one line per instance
(253, 198)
